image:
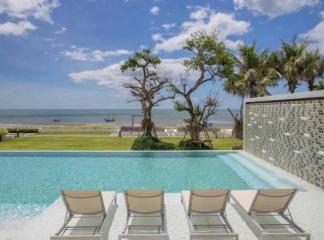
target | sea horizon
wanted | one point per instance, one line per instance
(162, 117)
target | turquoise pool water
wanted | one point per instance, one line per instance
(30, 181)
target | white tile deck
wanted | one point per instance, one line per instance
(307, 209)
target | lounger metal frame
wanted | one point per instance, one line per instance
(194, 232)
(69, 216)
(161, 229)
(96, 228)
(262, 228)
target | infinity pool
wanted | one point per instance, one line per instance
(30, 181)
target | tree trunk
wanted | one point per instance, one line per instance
(292, 87)
(310, 85)
(238, 128)
(194, 130)
(147, 123)
(238, 122)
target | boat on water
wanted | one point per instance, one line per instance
(110, 119)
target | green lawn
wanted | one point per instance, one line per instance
(92, 142)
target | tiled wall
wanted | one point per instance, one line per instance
(288, 134)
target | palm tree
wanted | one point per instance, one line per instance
(255, 74)
(313, 67)
(288, 61)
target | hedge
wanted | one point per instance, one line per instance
(23, 130)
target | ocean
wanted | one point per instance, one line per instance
(97, 116)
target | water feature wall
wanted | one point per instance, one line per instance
(288, 131)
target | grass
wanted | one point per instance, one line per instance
(78, 129)
(92, 142)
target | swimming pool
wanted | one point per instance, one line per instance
(31, 181)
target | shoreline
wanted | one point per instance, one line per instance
(98, 126)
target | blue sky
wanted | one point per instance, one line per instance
(67, 54)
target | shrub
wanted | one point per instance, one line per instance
(189, 145)
(239, 147)
(3, 132)
(149, 143)
(23, 130)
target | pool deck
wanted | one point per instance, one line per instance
(307, 209)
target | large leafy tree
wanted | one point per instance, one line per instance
(288, 61)
(253, 77)
(146, 86)
(210, 60)
(312, 68)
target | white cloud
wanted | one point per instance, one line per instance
(168, 26)
(157, 37)
(155, 10)
(111, 76)
(107, 76)
(274, 8)
(61, 30)
(142, 47)
(207, 20)
(23, 9)
(16, 29)
(84, 54)
(322, 14)
(200, 13)
(316, 35)
(233, 44)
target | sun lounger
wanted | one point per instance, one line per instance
(86, 214)
(265, 211)
(205, 210)
(145, 215)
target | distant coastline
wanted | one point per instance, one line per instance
(162, 117)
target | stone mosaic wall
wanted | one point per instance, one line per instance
(288, 134)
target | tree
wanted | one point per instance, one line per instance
(147, 85)
(320, 85)
(288, 61)
(254, 76)
(312, 68)
(3, 133)
(211, 60)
